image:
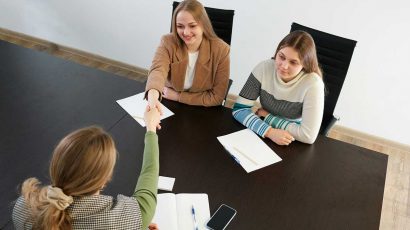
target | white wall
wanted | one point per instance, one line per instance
(377, 88)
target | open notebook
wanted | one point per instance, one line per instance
(135, 106)
(248, 150)
(174, 211)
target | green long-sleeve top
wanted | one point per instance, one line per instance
(146, 190)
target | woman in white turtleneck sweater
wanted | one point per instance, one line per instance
(291, 92)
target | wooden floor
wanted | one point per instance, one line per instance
(396, 202)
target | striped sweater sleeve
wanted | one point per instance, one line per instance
(278, 122)
(243, 113)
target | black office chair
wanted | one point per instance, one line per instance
(227, 91)
(334, 54)
(222, 21)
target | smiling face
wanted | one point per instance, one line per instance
(287, 63)
(189, 30)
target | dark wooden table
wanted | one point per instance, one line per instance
(327, 185)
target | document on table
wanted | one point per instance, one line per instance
(135, 106)
(166, 183)
(248, 150)
(174, 211)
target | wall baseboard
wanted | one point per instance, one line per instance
(53, 48)
(379, 144)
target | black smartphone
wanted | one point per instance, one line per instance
(221, 218)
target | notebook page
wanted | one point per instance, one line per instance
(166, 212)
(184, 206)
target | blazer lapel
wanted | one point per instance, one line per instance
(202, 66)
(178, 69)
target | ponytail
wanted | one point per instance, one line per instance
(45, 214)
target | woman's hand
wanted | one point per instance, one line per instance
(153, 102)
(279, 136)
(153, 226)
(152, 118)
(170, 94)
(261, 112)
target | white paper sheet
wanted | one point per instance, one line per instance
(166, 183)
(135, 106)
(249, 150)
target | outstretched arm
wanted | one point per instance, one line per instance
(146, 189)
(157, 74)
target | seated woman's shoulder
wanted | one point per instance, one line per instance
(266, 64)
(126, 198)
(168, 37)
(314, 78)
(218, 42)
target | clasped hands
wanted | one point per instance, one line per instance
(152, 118)
(279, 136)
(168, 93)
(155, 106)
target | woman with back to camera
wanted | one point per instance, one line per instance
(191, 65)
(291, 92)
(81, 166)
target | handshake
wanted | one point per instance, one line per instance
(152, 118)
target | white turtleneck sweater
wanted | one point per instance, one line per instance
(295, 106)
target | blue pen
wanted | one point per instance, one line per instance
(194, 218)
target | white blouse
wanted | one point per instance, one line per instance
(190, 70)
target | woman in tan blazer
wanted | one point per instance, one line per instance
(191, 65)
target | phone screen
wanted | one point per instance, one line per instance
(221, 218)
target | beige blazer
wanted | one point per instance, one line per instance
(211, 71)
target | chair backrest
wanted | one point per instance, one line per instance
(334, 54)
(221, 20)
(227, 90)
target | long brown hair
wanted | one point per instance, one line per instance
(197, 10)
(81, 165)
(304, 44)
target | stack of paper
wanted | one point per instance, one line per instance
(249, 150)
(136, 105)
(174, 211)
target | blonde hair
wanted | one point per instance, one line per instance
(82, 163)
(197, 10)
(304, 44)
